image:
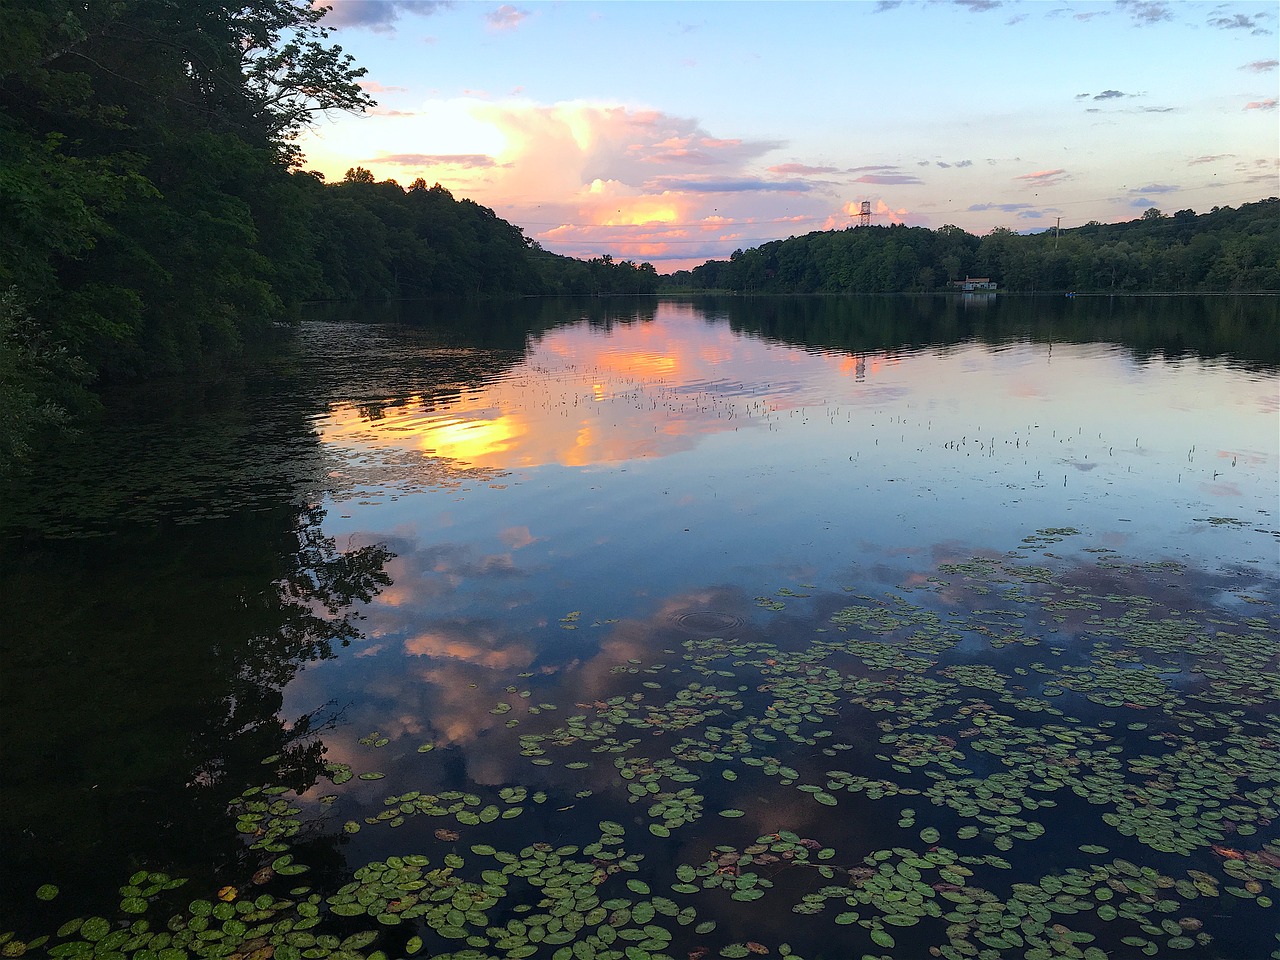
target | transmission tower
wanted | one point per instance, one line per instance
(864, 214)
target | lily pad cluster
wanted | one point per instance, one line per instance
(1011, 760)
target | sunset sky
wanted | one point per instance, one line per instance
(676, 132)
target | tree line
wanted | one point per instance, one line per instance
(157, 217)
(379, 241)
(1227, 249)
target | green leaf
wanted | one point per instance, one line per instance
(883, 939)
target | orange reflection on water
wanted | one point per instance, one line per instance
(583, 396)
(483, 442)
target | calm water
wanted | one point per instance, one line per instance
(847, 626)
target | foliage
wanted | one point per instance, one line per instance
(1224, 250)
(145, 158)
(37, 378)
(378, 241)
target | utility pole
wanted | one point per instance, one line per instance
(1057, 230)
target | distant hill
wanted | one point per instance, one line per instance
(379, 241)
(1227, 249)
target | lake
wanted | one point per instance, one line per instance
(627, 629)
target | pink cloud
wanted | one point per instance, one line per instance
(799, 169)
(1269, 104)
(373, 86)
(506, 17)
(517, 537)
(1045, 178)
(1040, 175)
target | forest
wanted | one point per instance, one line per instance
(1228, 249)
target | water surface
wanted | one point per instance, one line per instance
(867, 625)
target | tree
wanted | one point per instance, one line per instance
(144, 156)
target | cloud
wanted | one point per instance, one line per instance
(376, 16)
(883, 6)
(1269, 104)
(470, 161)
(373, 86)
(979, 6)
(958, 164)
(1155, 188)
(1261, 66)
(1146, 12)
(1005, 207)
(692, 149)
(800, 169)
(1209, 158)
(743, 185)
(516, 538)
(1265, 174)
(384, 112)
(1045, 177)
(888, 178)
(1111, 95)
(586, 178)
(1240, 22)
(506, 17)
(475, 643)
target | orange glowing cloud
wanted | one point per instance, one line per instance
(484, 650)
(590, 166)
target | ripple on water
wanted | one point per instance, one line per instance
(709, 622)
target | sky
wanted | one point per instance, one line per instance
(677, 132)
